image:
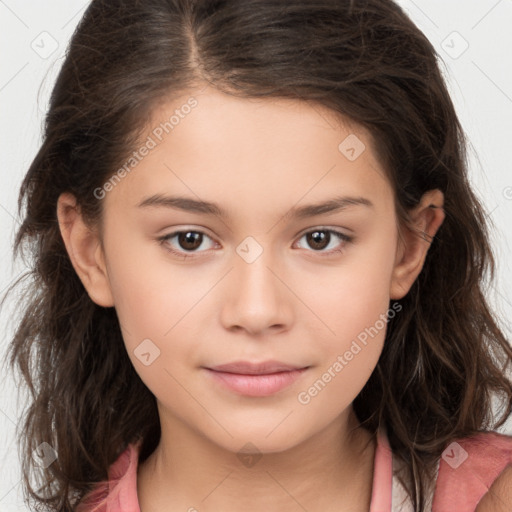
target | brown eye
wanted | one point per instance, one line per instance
(186, 243)
(190, 240)
(320, 239)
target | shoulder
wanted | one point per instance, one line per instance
(473, 470)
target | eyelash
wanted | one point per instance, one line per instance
(184, 255)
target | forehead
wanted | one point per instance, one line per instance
(211, 144)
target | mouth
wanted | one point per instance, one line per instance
(255, 379)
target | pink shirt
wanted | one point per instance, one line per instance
(465, 473)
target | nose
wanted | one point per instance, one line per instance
(257, 299)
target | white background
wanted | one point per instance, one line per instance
(479, 78)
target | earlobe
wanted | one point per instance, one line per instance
(426, 218)
(84, 249)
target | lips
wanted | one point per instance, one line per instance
(248, 368)
(255, 379)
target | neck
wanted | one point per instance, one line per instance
(332, 470)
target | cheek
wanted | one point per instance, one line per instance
(153, 307)
(355, 295)
(150, 292)
(348, 354)
(144, 292)
(354, 304)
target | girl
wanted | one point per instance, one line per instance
(258, 270)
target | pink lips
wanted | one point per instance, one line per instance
(256, 379)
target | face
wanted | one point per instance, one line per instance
(255, 275)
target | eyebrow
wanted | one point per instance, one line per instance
(205, 207)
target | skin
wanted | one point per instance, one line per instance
(257, 159)
(499, 497)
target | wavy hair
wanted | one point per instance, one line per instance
(444, 359)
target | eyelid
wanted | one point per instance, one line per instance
(320, 227)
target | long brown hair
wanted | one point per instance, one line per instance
(444, 357)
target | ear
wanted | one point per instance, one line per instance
(84, 249)
(414, 243)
